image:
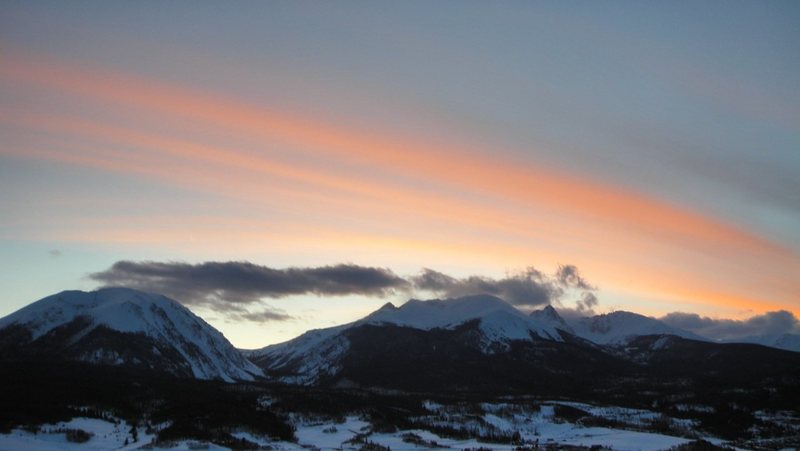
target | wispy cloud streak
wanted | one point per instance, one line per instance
(369, 188)
(466, 169)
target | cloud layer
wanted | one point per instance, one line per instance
(237, 289)
(528, 288)
(770, 323)
(231, 287)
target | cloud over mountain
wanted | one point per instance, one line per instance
(238, 289)
(769, 323)
(529, 287)
(232, 287)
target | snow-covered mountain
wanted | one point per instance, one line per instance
(121, 326)
(789, 342)
(483, 344)
(319, 352)
(500, 322)
(549, 315)
(620, 326)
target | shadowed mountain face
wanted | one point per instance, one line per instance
(475, 355)
(454, 360)
(100, 345)
(390, 356)
(118, 326)
(318, 353)
(471, 343)
(671, 355)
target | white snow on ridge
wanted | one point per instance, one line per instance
(132, 311)
(441, 313)
(499, 320)
(317, 352)
(619, 327)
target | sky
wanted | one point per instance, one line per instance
(280, 166)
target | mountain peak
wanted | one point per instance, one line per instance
(547, 312)
(440, 313)
(158, 324)
(117, 308)
(548, 316)
(387, 307)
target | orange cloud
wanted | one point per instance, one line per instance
(463, 169)
(405, 195)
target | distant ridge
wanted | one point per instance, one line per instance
(621, 326)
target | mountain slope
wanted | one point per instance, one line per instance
(550, 317)
(120, 326)
(318, 353)
(405, 358)
(673, 356)
(620, 326)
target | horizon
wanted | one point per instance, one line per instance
(709, 329)
(281, 167)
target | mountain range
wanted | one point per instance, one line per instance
(482, 342)
(470, 341)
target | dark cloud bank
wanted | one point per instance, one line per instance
(234, 288)
(527, 288)
(237, 289)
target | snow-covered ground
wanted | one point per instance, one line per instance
(455, 426)
(543, 426)
(339, 436)
(106, 435)
(540, 426)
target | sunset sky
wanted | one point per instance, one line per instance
(654, 146)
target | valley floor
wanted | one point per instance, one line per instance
(456, 427)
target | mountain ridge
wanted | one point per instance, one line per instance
(617, 327)
(316, 353)
(120, 326)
